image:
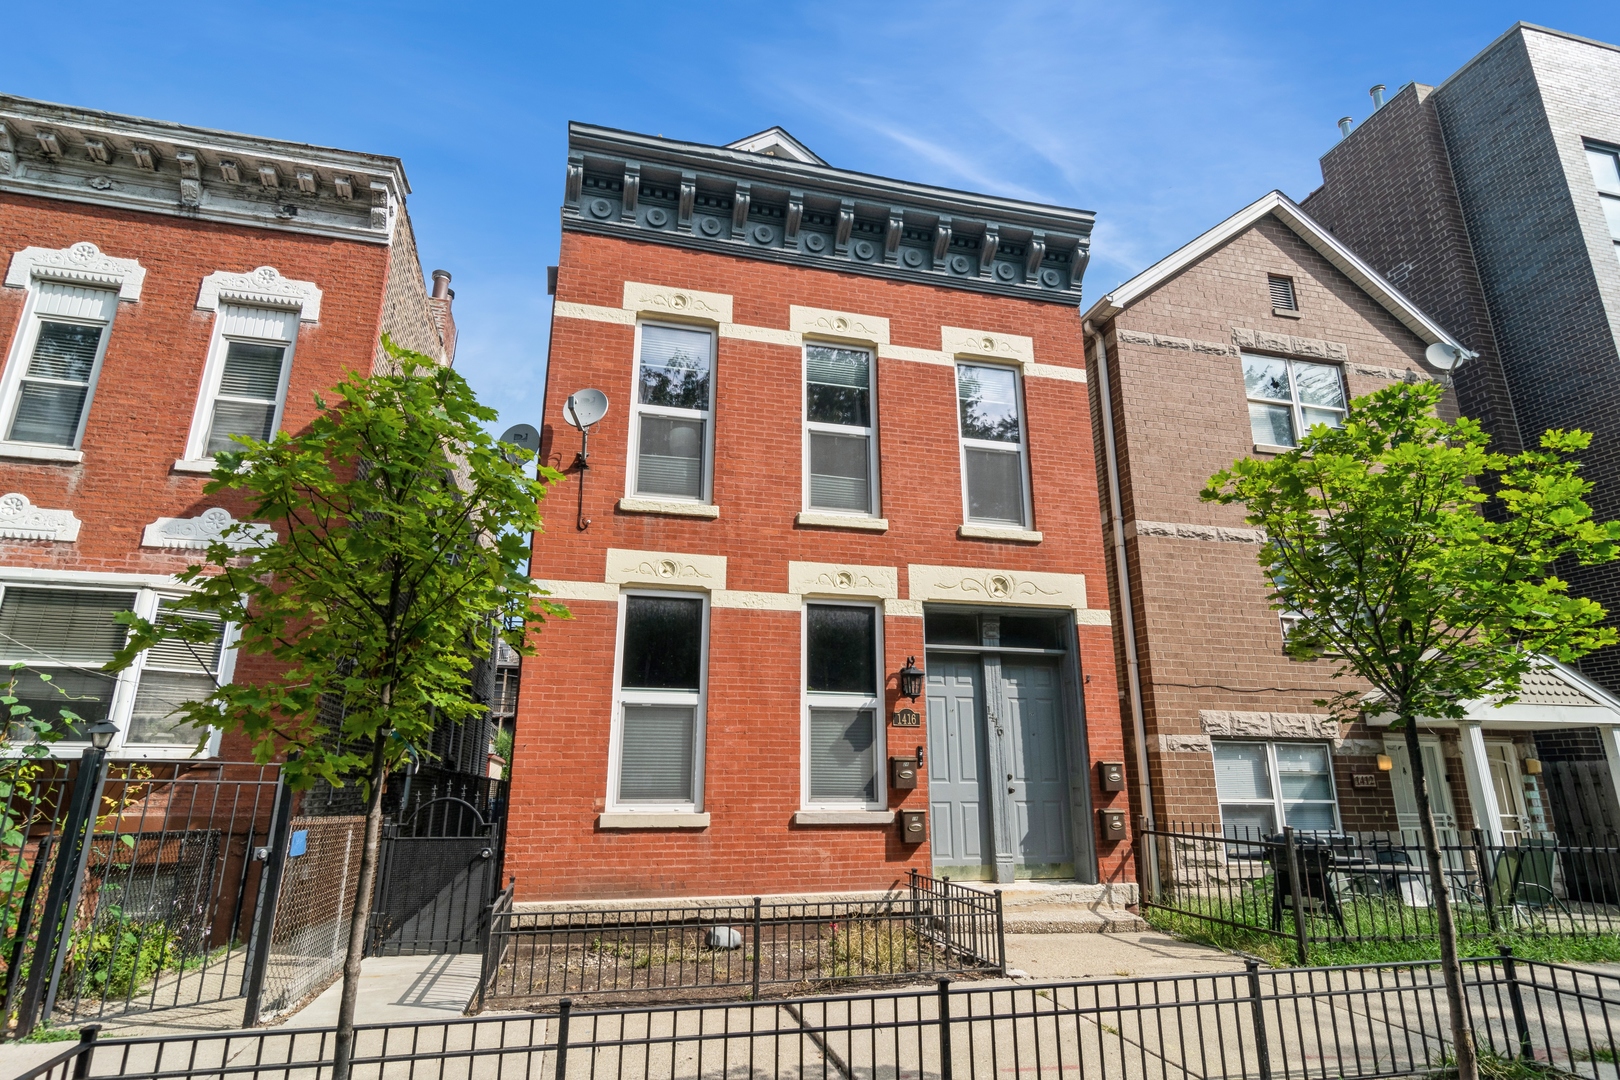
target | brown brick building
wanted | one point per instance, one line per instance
(847, 426)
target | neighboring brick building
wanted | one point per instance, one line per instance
(847, 426)
(1226, 349)
(167, 286)
(1493, 200)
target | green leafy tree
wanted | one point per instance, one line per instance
(1422, 565)
(25, 746)
(401, 533)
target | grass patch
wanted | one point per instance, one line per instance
(1602, 1053)
(44, 1033)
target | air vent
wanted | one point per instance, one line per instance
(1282, 293)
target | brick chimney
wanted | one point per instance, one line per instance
(439, 306)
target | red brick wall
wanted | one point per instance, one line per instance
(753, 758)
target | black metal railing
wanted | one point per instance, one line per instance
(1307, 887)
(691, 951)
(1363, 1022)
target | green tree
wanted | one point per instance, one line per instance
(401, 531)
(1423, 565)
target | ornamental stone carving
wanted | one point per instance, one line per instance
(213, 526)
(670, 568)
(81, 264)
(1183, 531)
(263, 286)
(1185, 744)
(1269, 725)
(959, 341)
(20, 519)
(975, 585)
(816, 322)
(843, 579)
(1162, 341)
(677, 303)
(1311, 348)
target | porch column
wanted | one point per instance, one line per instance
(1481, 789)
(1611, 750)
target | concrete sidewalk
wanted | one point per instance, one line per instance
(398, 989)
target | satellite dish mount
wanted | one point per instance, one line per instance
(584, 409)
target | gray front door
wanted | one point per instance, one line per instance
(1037, 761)
(957, 774)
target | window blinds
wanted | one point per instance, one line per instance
(61, 627)
(655, 755)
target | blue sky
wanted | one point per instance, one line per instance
(1163, 117)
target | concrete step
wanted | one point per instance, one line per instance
(1051, 918)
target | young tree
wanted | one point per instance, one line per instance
(401, 531)
(1423, 564)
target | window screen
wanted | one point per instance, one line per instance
(842, 766)
(842, 649)
(838, 415)
(1243, 785)
(992, 444)
(655, 754)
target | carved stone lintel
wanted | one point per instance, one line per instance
(891, 235)
(960, 341)
(20, 519)
(987, 251)
(665, 568)
(1269, 725)
(975, 585)
(868, 329)
(843, 579)
(632, 190)
(681, 303)
(83, 263)
(683, 211)
(1035, 254)
(576, 179)
(262, 286)
(846, 225)
(212, 526)
(792, 220)
(1184, 744)
(1180, 530)
(1137, 337)
(1290, 345)
(942, 241)
(739, 205)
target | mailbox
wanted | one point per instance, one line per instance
(902, 773)
(1111, 775)
(1111, 824)
(913, 826)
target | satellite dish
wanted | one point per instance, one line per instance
(522, 436)
(585, 408)
(1444, 356)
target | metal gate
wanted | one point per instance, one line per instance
(439, 872)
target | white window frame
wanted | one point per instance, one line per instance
(637, 410)
(22, 351)
(873, 701)
(1606, 197)
(623, 697)
(149, 593)
(964, 444)
(874, 500)
(1275, 778)
(1297, 409)
(214, 371)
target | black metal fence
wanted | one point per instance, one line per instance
(1318, 887)
(1294, 1024)
(694, 952)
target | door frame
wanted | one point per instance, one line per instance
(1395, 745)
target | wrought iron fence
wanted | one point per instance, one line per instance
(1294, 1024)
(1320, 887)
(692, 952)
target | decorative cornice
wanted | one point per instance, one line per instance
(1311, 348)
(263, 286)
(81, 264)
(208, 527)
(977, 585)
(843, 579)
(1137, 337)
(726, 200)
(675, 303)
(959, 341)
(108, 159)
(839, 325)
(20, 519)
(665, 568)
(1182, 531)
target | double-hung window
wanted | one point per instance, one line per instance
(995, 478)
(842, 744)
(1606, 173)
(174, 673)
(245, 382)
(672, 426)
(658, 745)
(1288, 397)
(1263, 786)
(840, 435)
(56, 363)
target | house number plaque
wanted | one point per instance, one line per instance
(905, 718)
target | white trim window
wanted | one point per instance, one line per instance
(1263, 786)
(67, 631)
(995, 474)
(54, 364)
(672, 413)
(1289, 397)
(1606, 174)
(843, 734)
(245, 381)
(840, 431)
(657, 742)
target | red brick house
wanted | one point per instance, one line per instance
(847, 427)
(165, 287)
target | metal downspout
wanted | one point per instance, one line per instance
(1128, 620)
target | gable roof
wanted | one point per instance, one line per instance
(776, 142)
(1287, 211)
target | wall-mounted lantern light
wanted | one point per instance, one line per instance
(911, 679)
(1385, 763)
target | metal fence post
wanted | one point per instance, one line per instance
(564, 1007)
(945, 1030)
(1261, 1046)
(1521, 1022)
(264, 909)
(87, 1050)
(1001, 937)
(755, 996)
(1294, 885)
(1486, 872)
(25, 922)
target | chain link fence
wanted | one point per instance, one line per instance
(311, 932)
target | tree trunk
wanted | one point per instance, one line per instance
(1462, 1031)
(343, 1038)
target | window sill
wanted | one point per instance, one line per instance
(669, 506)
(1286, 313)
(33, 452)
(640, 819)
(1268, 448)
(195, 465)
(844, 817)
(842, 521)
(999, 532)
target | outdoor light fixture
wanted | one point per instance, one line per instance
(101, 733)
(1532, 766)
(911, 679)
(1385, 763)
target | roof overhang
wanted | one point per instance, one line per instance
(1602, 709)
